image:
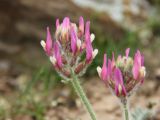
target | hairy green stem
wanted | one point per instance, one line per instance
(126, 111)
(77, 87)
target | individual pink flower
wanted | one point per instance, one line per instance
(57, 23)
(127, 52)
(47, 46)
(81, 25)
(70, 42)
(119, 83)
(57, 54)
(66, 24)
(104, 69)
(87, 32)
(89, 52)
(74, 39)
(65, 28)
(110, 69)
(138, 69)
(124, 74)
(89, 49)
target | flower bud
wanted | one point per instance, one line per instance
(43, 44)
(95, 52)
(53, 60)
(142, 72)
(99, 70)
(92, 37)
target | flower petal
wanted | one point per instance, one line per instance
(73, 40)
(57, 54)
(88, 43)
(104, 69)
(127, 52)
(87, 32)
(136, 65)
(48, 46)
(118, 76)
(89, 51)
(119, 85)
(66, 23)
(113, 61)
(109, 69)
(81, 24)
(57, 23)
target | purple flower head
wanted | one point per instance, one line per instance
(124, 74)
(70, 42)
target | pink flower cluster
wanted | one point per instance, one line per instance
(124, 74)
(69, 44)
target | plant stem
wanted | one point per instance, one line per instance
(126, 111)
(77, 87)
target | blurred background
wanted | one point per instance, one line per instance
(30, 89)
